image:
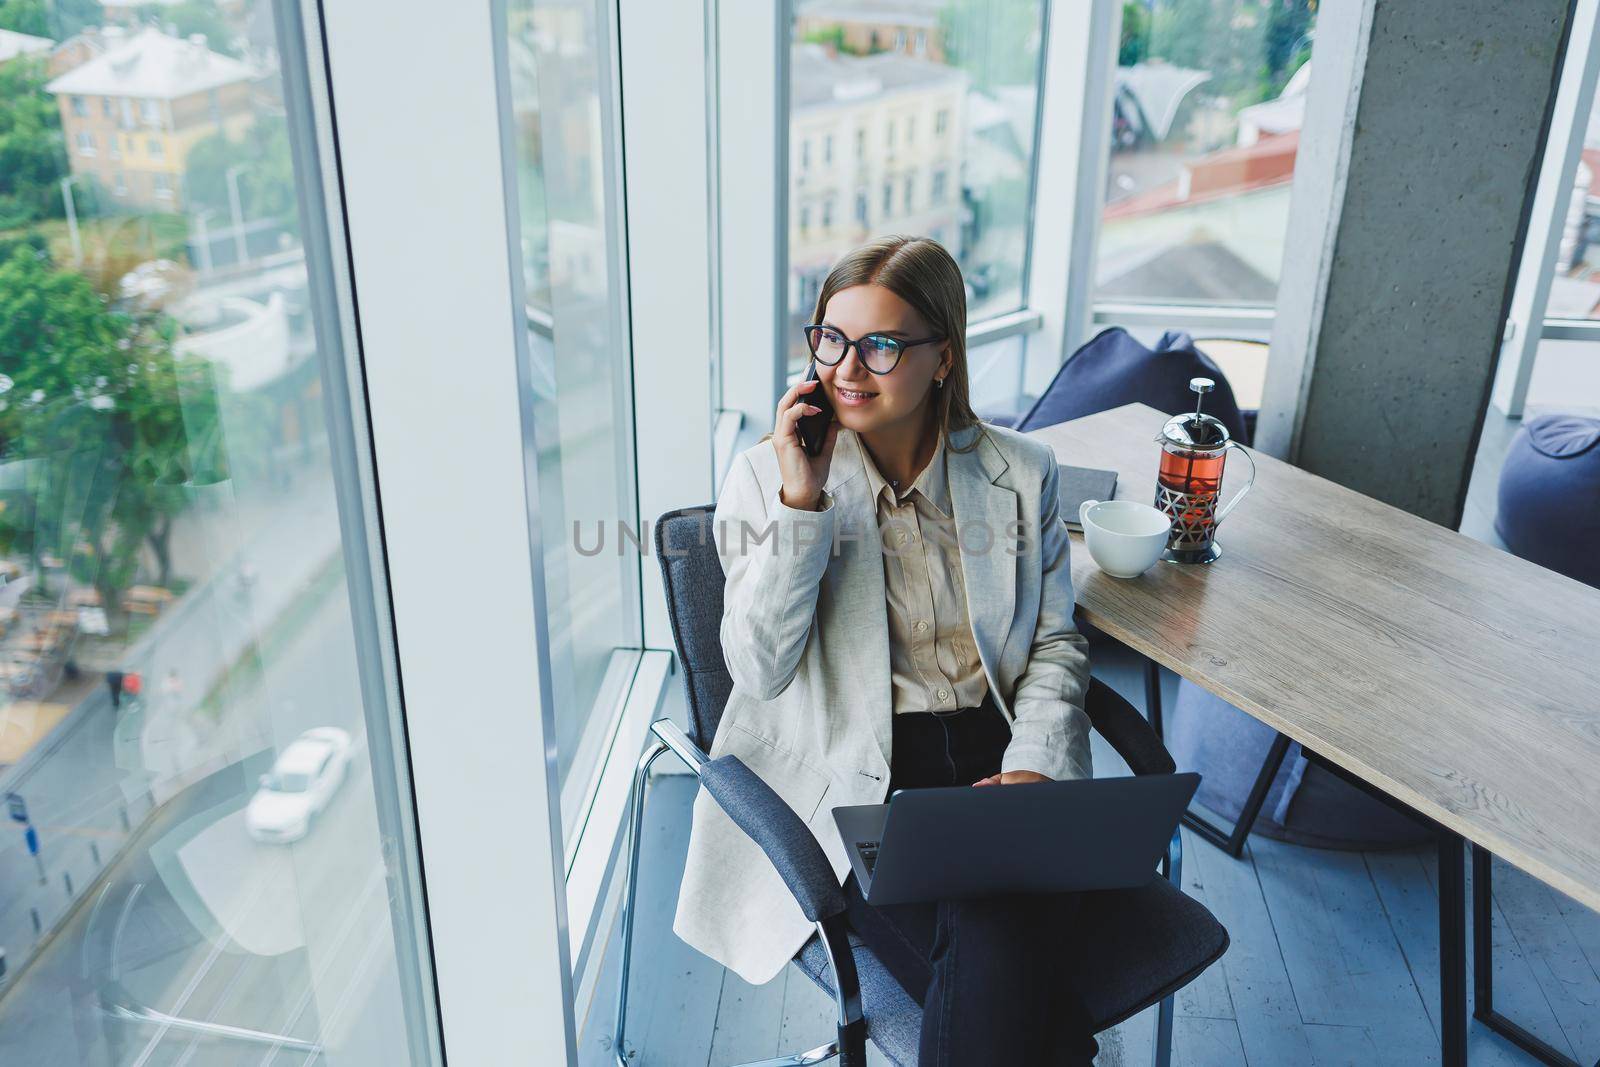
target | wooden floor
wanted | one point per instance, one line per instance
(1334, 960)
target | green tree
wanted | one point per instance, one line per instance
(25, 16)
(32, 157)
(103, 430)
(827, 35)
(56, 19)
(266, 185)
(1286, 43)
(1134, 45)
(996, 44)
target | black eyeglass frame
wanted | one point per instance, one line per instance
(900, 346)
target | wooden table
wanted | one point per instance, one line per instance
(1455, 678)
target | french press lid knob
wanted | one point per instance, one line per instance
(1196, 431)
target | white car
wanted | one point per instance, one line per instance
(303, 779)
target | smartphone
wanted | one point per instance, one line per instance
(813, 429)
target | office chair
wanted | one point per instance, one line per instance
(1142, 945)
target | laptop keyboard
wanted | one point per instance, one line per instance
(869, 854)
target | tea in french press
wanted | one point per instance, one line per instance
(1194, 451)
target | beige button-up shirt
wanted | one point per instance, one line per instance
(933, 661)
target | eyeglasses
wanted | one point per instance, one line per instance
(879, 352)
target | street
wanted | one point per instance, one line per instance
(199, 922)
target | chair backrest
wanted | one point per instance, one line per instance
(691, 572)
(1115, 369)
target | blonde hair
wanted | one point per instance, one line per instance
(920, 271)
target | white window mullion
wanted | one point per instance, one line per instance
(753, 203)
(1074, 117)
(666, 157)
(437, 279)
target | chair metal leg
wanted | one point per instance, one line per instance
(852, 1029)
(635, 822)
(1164, 1032)
(852, 1025)
(1232, 842)
(820, 1054)
(1172, 871)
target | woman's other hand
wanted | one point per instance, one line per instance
(803, 474)
(1012, 778)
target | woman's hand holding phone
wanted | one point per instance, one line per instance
(803, 474)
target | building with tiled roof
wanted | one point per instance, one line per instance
(131, 114)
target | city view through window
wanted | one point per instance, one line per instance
(1207, 105)
(913, 117)
(196, 864)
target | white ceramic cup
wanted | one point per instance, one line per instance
(1124, 536)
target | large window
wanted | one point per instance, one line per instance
(1207, 105)
(565, 147)
(211, 858)
(917, 119)
(1575, 283)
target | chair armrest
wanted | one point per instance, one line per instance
(773, 825)
(1126, 730)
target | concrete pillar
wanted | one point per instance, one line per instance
(1425, 128)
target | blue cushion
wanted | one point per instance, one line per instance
(1114, 369)
(1549, 507)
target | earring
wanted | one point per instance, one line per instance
(939, 382)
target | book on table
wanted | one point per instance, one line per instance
(1083, 483)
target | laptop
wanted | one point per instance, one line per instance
(1032, 837)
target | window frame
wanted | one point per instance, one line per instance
(1528, 323)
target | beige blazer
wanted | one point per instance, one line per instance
(805, 636)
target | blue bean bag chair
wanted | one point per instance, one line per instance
(1549, 507)
(1114, 369)
(1306, 804)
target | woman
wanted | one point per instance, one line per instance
(898, 614)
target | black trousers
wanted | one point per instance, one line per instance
(990, 973)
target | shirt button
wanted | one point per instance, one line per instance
(921, 625)
(943, 693)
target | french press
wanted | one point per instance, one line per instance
(1194, 449)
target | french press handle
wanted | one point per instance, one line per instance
(1223, 512)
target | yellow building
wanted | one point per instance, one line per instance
(875, 146)
(131, 114)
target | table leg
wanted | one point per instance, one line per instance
(1452, 916)
(1232, 841)
(1483, 969)
(1452, 949)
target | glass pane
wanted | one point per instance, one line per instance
(1206, 113)
(1575, 285)
(207, 859)
(914, 119)
(564, 138)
